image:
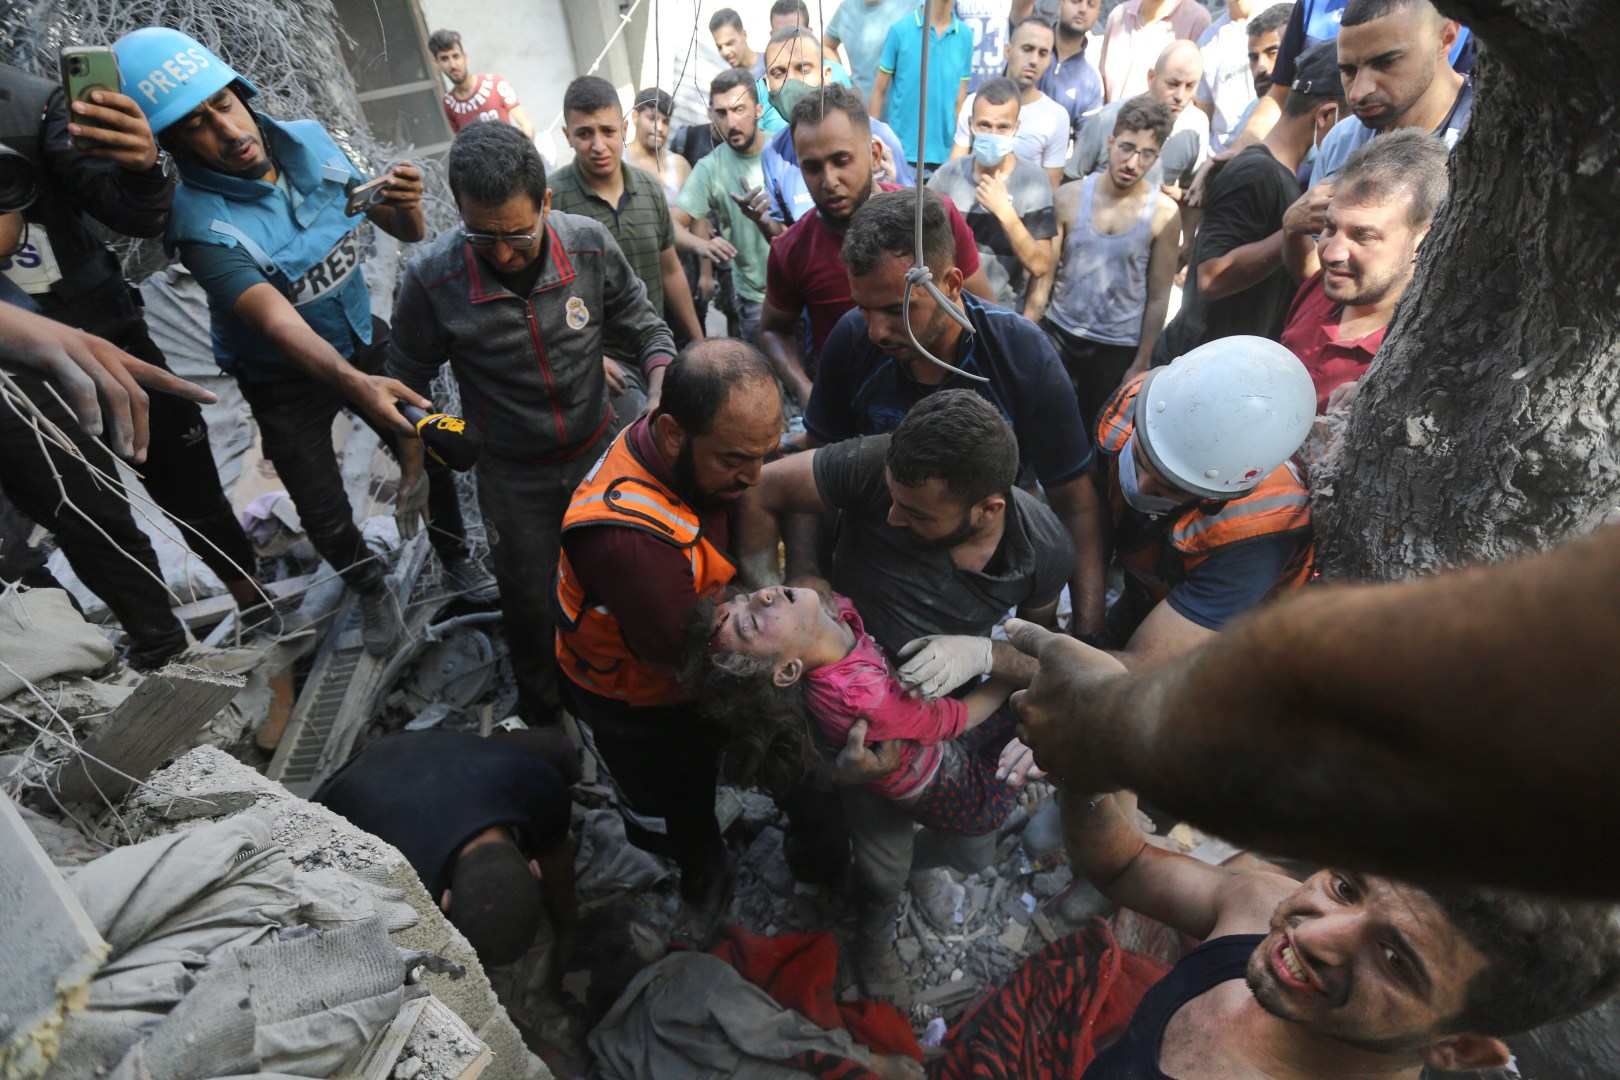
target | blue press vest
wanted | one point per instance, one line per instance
(310, 253)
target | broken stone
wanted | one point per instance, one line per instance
(766, 857)
(909, 950)
(1013, 937)
(1051, 882)
(408, 1068)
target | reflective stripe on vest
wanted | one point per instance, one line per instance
(591, 647)
(1279, 505)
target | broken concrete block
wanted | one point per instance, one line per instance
(1051, 882)
(1013, 936)
(52, 951)
(909, 950)
(767, 859)
(155, 723)
(216, 802)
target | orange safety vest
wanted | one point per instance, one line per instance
(591, 648)
(1279, 506)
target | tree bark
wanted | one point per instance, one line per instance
(1487, 425)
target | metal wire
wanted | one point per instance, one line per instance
(919, 274)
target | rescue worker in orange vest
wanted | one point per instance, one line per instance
(1210, 517)
(644, 537)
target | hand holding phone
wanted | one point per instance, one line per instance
(102, 122)
(363, 197)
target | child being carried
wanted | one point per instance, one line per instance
(764, 660)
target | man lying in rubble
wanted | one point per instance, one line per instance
(1344, 974)
(266, 217)
(482, 821)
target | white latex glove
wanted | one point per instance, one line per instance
(410, 504)
(939, 663)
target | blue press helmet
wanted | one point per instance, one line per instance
(168, 74)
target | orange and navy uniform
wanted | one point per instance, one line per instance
(621, 491)
(1161, 557)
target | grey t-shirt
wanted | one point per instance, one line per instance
(1178, 160)
(904, 591)
(1031, 195)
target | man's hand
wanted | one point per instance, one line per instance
(718, 250)
(97, 379)
(706, 285)
(883, 167)
(411, 502)
(1056, 708)
(992, 195)
(1195, 190)
(1308, 215)
(616, 380)
(939, 663)
(859, 764)
(754, 203)
(375, 395)
(1342, 398)
(404, 187)
(1017, 765)
(117, 128)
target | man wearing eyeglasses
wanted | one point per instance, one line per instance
(1105, 302)
(524, 301)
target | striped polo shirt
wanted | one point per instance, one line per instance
(640, 223)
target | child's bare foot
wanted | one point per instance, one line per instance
(895, 1067)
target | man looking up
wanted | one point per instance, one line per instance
(1073, 81)
(1105, 302)
(871, 376)
(472, 98)
(1006, 200)
(1344, 974)
(632, 570)
(524, 301)
(1236, 282)
(630, 204)
(1383, 204)
(1394, 57)
(1042, 138)
(793, 70)
(260, 219)
(1173, 80)
(726, 27)
(726, 183)
(836, 153)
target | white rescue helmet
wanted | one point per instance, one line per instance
(1220, 418)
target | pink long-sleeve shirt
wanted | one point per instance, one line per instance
(861, 687)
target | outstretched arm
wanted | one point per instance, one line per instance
(1435, 728)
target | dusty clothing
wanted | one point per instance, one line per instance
(529, 367)
(1101, 290)
(1031, 196)
(1312, 334)
(862, 687)
(477, 783)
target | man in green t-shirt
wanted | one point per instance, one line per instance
(729, 183)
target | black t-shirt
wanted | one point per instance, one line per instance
(1246, 204)
(903, 591)
(429, 792)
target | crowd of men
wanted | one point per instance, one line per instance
(1135, 312)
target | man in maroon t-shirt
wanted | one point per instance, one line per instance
(1383, 203)
(832, 136)
(472, 97)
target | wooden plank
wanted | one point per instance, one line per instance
(152, 725)
(51, 948)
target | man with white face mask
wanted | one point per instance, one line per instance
(1006, 200)
(1210, 517)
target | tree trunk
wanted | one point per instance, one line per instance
(1487, 424)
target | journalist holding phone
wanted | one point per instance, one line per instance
(74, 163)
(262, 220)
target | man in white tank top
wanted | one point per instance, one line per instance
(1105, 302)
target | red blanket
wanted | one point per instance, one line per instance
(1053, 1014)
(799, 971)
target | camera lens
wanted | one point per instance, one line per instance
(19, 184)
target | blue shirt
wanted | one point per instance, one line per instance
(790, 198)
(950, 61)
(1315, 21)
(1075, 84)
(862, 28)
(859, 390)
(1350, 133)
